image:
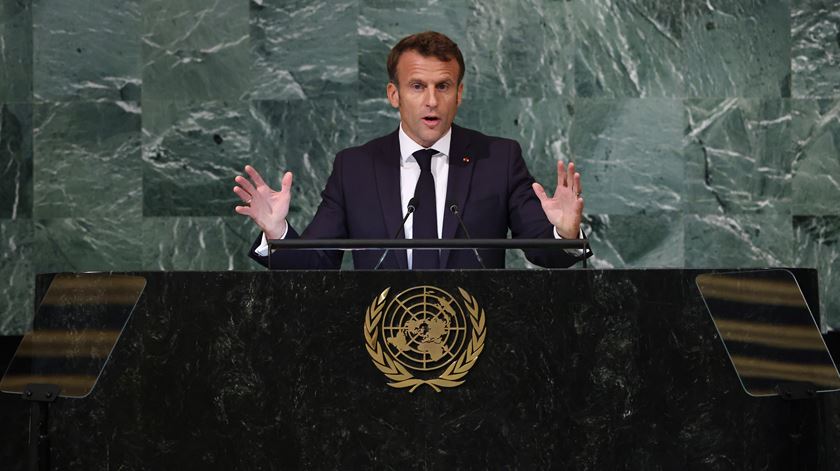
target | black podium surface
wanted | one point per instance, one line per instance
(580, 369)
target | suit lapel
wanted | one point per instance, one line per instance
(457, 188)
(387, 173)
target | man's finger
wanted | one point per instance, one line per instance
(252, 172)
(286, 182)
(539, 191)
(245, 184)
(561, 175)
(243, 195)
(570, 177)
(243, 210)
(579, 190)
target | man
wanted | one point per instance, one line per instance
(432, 163)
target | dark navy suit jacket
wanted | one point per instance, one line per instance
(488, 180)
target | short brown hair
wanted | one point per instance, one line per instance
(427, 44)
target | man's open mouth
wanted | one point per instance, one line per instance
(431, 119)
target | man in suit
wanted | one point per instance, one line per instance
(427, 161)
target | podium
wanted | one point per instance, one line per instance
(577, 369)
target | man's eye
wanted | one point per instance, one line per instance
(443, 87)
(416, 86)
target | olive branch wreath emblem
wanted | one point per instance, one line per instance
(400, 376)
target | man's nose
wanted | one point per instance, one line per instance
(431, 99)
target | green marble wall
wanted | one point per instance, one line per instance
(707, 131)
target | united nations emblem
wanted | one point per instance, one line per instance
(423, 336)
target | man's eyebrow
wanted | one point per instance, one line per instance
(423, 82)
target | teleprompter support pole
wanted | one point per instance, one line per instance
(40, 396)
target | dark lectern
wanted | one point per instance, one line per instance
(556, 369)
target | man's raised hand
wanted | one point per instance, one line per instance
(266, 207)
(565, 208)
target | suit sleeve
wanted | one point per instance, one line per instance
(526, 216)
(329, 222)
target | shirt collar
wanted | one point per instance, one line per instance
(409, 147)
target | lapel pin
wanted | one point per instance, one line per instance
(466, 159)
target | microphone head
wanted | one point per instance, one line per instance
(412, 204)
(453, 208)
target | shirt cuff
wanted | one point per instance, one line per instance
(262, 250)
(576, 252)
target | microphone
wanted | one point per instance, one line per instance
(412, 206)
(453, 208)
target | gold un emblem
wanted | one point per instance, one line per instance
(422, 336)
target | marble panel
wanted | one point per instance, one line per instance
(382, 23)
(191, 153)
(815, 48)
(195, 50)
(817, 245)
(737, 48)
(742, 241)
(87, 159)
(15, 161)
(738, 155)
(540, 126)
(17, 288)
(197, 243)
(627, 48)
(88, 244)
(376, 117)
(86, 49)
(816, 165)
(302, 137)
(517, 49)
(652, 240)
(15, 51)
(630, 154)
(302, 49)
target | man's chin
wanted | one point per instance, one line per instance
(433, 135)
(429, 140)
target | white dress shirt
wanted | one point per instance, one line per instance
(410, 173)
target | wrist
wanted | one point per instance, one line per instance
(276, 232)
(566, 234)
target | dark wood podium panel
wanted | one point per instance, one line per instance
(580, 369)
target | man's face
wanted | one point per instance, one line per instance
(427, 97)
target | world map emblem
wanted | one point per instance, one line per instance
(424, 336)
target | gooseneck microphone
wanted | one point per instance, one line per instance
(412, 206)
(453, 208)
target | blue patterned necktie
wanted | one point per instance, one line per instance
(425, 218)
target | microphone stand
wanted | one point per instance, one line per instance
(585, 248)
(453, 208)
(412, 206)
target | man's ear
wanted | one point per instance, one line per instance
(460, 92)
(393, 95)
